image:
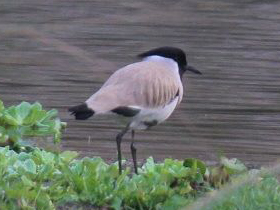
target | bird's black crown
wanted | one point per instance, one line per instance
(174, 53)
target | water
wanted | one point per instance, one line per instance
(59, 53)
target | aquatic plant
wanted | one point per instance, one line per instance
(39, 179)
(17, 123)
(44, 180)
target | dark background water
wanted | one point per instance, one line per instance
(60, 52)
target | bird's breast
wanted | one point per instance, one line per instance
(149, 117)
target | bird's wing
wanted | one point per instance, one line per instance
(146, 84)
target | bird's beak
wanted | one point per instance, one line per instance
(192, 69)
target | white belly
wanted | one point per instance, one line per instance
(158, 115)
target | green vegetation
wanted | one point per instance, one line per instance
(38, 179)
(264, 194)
(25, 120)
(43, 180)
(258, 189)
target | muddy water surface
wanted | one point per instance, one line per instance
(60, 52)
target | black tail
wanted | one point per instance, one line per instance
(81, 112)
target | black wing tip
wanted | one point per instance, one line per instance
(80, 107)
(126, 111)
(81, 112)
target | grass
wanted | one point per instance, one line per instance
(257, 189)
(264, 194)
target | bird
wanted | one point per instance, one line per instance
(140, 95)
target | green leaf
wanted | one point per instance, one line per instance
(23, 156)
(46, 169)
(30, 166)
(14, 134)
(1, 106)
(27, 181)
(67, 156)
(44, 157)
(29, 120)
(49, 115)
(63, 125)
(3, 135)
(175, 202)
(9, 116)
(233, 166)
(36, 106)
(57, 131)
(35, 115)
(195, 163)
(149, 165)
(22, 111)
(117, 202)
(77, 168)
(15, 115)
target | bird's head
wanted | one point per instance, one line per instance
(175, 54)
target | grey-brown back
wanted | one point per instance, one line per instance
(149, 83)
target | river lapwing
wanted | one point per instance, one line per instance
(141, 94)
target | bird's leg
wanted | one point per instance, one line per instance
(119, 140)
(133, 151)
